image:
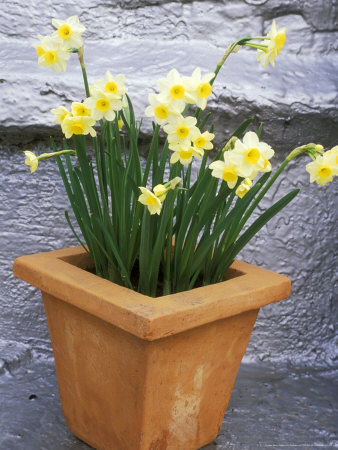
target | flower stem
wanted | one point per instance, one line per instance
(50, 155)
(258, 46)
(227, 53)
(84, 72)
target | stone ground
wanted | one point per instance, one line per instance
(272, 406)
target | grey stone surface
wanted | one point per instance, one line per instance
(271, 407)
(145, 40)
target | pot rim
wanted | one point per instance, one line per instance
(62, 274)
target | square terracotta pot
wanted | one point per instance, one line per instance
(137, 372)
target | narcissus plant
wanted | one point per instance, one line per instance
(157, 225)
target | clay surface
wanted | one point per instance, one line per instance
(137, 375)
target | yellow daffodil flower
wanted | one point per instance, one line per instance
(173, 90)
(111, 85)
(198, 88)
(160, 191)
(323, 168)
(181, 131)
(59, 114)
(120, 123)
(251, 156)
(69, 31)
(31, 160)
(185, 155)
(150, 200)
(79, 109)
(244, 187)
(333, 151)
(78, 125)
(274, 45)
(203, 141)
(160, 109)
(177, 181)
(103, 105)
(226, 170)
(52, 53)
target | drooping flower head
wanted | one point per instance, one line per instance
(69, 31)
(323, 168)
(52, 53)
(150, 200)
(273, 45)
(31, 160)
(244, 187)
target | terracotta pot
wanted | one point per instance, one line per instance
(136, 372)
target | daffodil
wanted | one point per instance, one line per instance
(185, 155)
(173, 89)
(203, 141)
(59, 114)
(69, 31)
(333, 151)
(79, 109)
(150, 200)
(103, 105)
(323, 168)
(52, 53)
(78, 125)
(273, 45)
(31, 160)
(177, 181)
(111, 85)
(198, 88)
(161, 109)
(251, 156)
(181, 131)
(160, 191)
(120, 123)
(226, 170)
(244, 187)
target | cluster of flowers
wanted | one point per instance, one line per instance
(107, 97)
(54, 51)
(168, 106)
(242, 160)
(245, 160)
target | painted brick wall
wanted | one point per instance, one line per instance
(296, 102)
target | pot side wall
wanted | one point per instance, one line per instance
(119, 391)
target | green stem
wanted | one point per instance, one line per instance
(84, 72)
(50, 155)
(258, 46)
(227, 53)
